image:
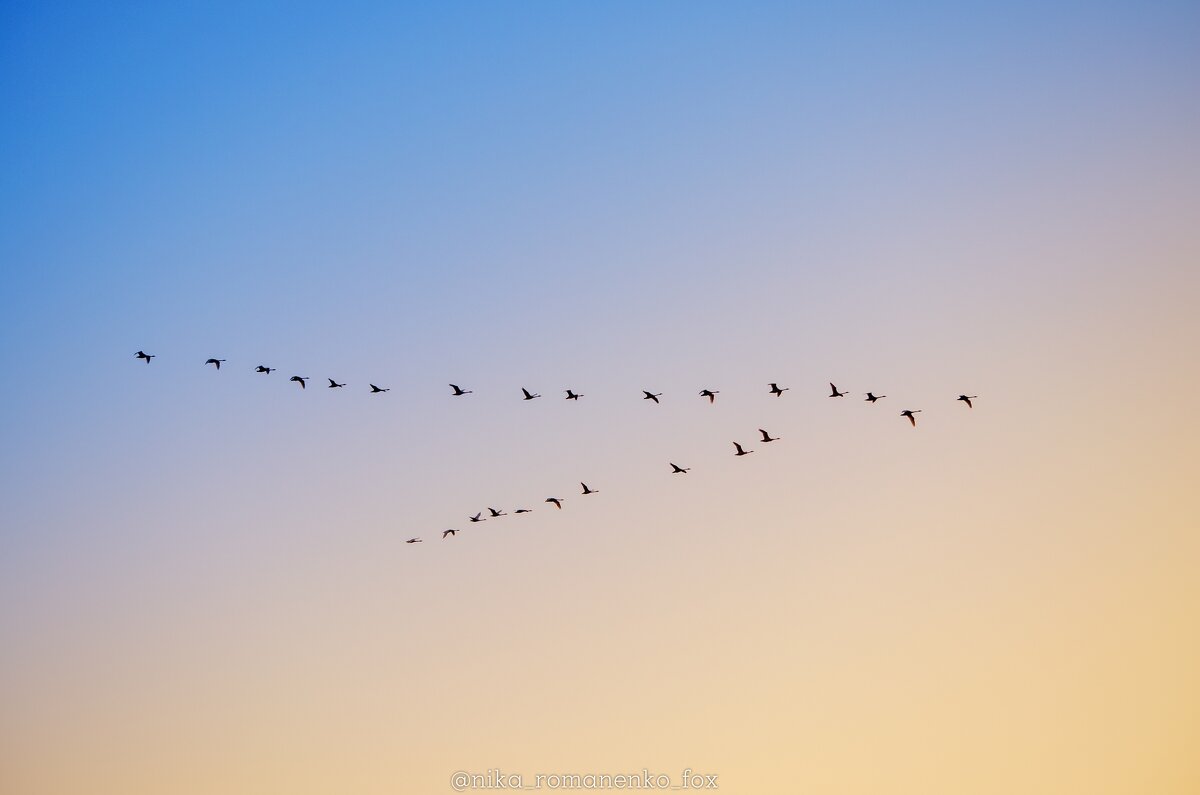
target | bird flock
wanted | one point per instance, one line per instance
(557, 502)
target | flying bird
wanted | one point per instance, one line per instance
(299, 379)
(586, 490)
(334, 384)
(144, 355)
(651, 396)
(375, 390)
(459, 390)
(496, 513)
(448, 533)
(909, 413)
(710, 394)
(833, 391)
(678, 470)
(523, 510)
(476, 518)
(967, 399)
(262, 368)
(415, 540)
(740, 451)
(776, 391)
(872, 397)
(215, 363)
(572, 396)
(557, 502)
(767, 437)
(529, 395)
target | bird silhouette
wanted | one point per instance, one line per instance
(776, 391)
(523, 510)
(967, 399)
(496, 513)
(448, 533)
(572, 396)
(529, 395)
(215, 363)
(414, 541)
(557, 502)
(476, 518)
(299, 379)
(710, 394)
(767, 437)
(377, 389)
(909, 413)
(740, 451)
(872, 397)
(144, 355)
(678, 470)
(459, 390)
(262, 368)
(833, 391)
(651, 396)
(586, 490)
(334, 384)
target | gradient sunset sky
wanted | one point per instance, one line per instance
(203, 583)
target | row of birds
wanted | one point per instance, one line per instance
(495, 513)
(457, 391)
(739, 451)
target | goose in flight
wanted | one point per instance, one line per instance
(557, 502)
(496, 513)
(375, 390)
(678, 470)
(448, 533)
(262, 368)
(710, 394)
(144, 355)
(299, 379)
(415, 541)
(872, 397)
(215, 363)
(967, 399)
(458, 390)
(523, 510)
(586, 490)
(529, 395)
(909, 413)
(776, 391)
(334, 384)
(651, 396)
(476, 518)
(833, 391)
(572, 396)
(767, 437)
(740, 451)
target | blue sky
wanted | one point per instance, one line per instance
(919, 199)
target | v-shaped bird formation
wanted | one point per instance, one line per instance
(710, 395)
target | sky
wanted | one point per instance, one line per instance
(204, 585)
